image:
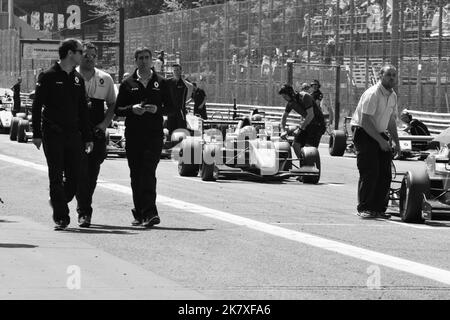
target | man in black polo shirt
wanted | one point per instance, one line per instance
(199, 97)
(143, 99)
(60, 107)
(313, 127)
(180, 91)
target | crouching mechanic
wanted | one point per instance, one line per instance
(313, 127)
(143, 99)
(99, 88)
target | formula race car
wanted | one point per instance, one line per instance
(423, 195)
(341, 141)
(254, 150)
(115, 139)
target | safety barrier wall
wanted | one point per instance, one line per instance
(436, 122)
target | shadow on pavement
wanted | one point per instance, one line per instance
(98, 231)
(7, 221)
(177, 229)
(17, 246)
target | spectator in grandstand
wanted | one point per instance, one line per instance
(312, 128)
(180, 91)
(143, 99)
(99, 90)
(375, 114)
(16, 97)
(414, 127)
(61, 125)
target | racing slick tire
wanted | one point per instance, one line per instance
(337, 143)
(311, 157)
(189, 148)
(178, 137)
(14, 129)
(415, 185)
(23, 127)
(209, 171)
(283, 152)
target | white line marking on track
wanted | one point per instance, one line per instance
(408, 266)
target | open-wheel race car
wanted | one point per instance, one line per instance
(254, 150)
(424, 195)
(115, 139)
(411, 146)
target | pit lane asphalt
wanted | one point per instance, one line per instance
(222, 260)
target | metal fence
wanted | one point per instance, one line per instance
(225, 47)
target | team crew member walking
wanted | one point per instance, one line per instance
(313, 127)
(60, 106)
(99, 89)
(375, 114)
(144, 98)
(180, 91)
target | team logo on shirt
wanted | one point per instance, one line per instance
(77, 81)
(102, 82)
(156, 85)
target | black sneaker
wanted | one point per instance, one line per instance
(84, 221)
(366, 214)
(383, 215)
(61, 225)
(136, 222)
(150, 222)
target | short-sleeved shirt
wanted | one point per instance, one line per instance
(317, 95)
(379, 103)
(301, 103)
(99, 89)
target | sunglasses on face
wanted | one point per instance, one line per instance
(90, 56)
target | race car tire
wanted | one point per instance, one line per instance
(23, 127)
(21, 115)
(415, 184)
(14, 129)
(208, 171)
(311, 157)
(283, 152)
(177, 137)
(191, 167)
(337, 143)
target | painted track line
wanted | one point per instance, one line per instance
(400, 264)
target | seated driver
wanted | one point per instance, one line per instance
(414, 126)
(245, 129)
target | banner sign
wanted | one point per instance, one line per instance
(41, 51)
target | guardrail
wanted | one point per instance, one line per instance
(436, 122)
(226, 111)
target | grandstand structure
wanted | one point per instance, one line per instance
(238, 50)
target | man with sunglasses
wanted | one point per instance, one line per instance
(99, 89)
(60, 124)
